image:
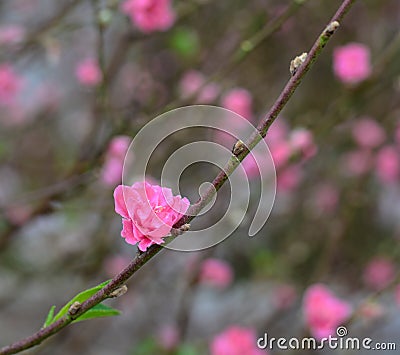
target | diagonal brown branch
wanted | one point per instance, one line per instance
(142, 258)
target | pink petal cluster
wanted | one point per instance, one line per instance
(148, 212)
(323, 311)
(379, 273)
(368, 133)
(236, 340)
(11, 35)
(150, 15)
(88, 72)
(239, 101)
(351, 63)
(10, 84)
(193, 83)
(111, 173)
(216, 272)
(388, 164)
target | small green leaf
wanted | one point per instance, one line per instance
(49, 318)
(80, 297)
(98, 311)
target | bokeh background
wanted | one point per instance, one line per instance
(79, 78)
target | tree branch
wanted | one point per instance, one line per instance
(142, 258)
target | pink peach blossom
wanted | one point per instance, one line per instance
(357, 162)
(388, 164)
(323, 311)
(239, 101)
(379, 273)
(148, 212)
(236, 340)
(10, 84)
(150, 15)
(216, 272)
(302, 141)
(11, 34)
(111, 173)
(193, 83)
(88, 72)
(351, 63)
(368, 133)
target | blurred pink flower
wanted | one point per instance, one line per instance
(281, 153)
(289, 178)
(111, 173)
(148, 212)
(216, 272)
(11, 34)
(351, 63)
(323, 311)
(193, 82)
(150, 15)
(368, 133)
(284, 296)
(379, 273)
(10, 84)
(88, 72)
(357, 162)
(236, 340)
(326, 198)
(168, 337)
(239, 101)
(388, 164)
(301, 140)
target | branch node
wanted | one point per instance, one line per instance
(74, 308)
(297, 62)
(331, 28)
(238, 148)
(119, 292)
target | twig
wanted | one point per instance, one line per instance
(142, 258)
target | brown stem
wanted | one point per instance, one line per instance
(143, 258)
